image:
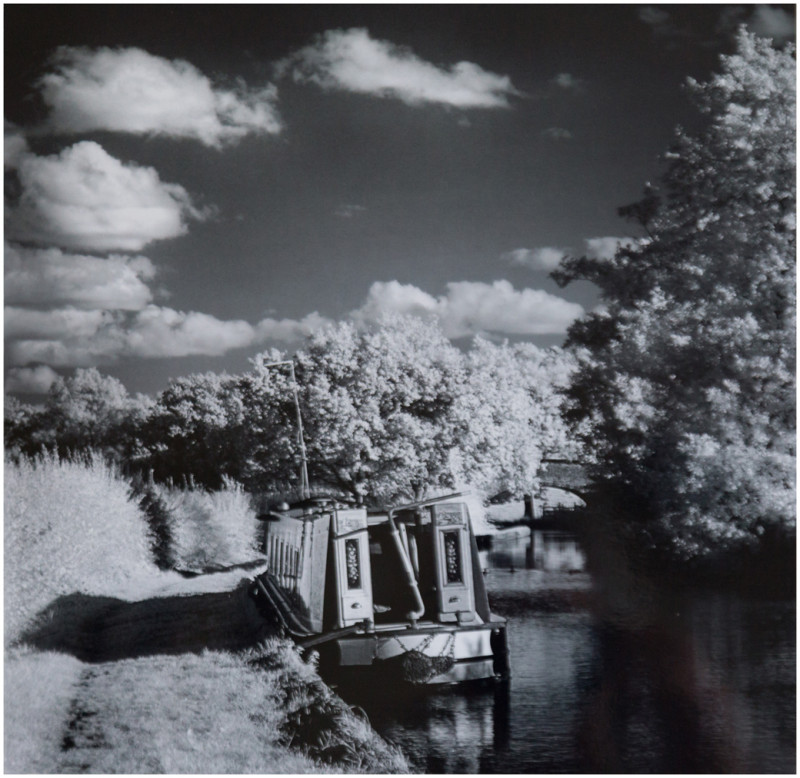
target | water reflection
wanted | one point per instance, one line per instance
(522, 548)
(449, 732)
(700, 683)
(707, 687)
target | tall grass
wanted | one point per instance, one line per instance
(210, 530)
(70, 526)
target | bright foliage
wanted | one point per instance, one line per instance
(686, 385)
(397, 412)
(392, 412)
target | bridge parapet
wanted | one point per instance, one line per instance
(564, 474)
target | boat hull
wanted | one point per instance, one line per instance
(426, 655)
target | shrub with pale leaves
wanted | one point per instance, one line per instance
(69, 527)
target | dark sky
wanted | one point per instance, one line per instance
(188, 185)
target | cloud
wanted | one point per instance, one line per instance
(656, 18)
(68, 351)
(351, 60)
(30, 380)
(556, 133)
(546, 258)
(15, 145)
(69, 337)
(349, 211)
(469, 307)
(289, 330)
(32, 324)
(568, 82)
(164, 332)
(774, 23)
(129, 90)
(605, 248)
(83, 198)
(51, 277)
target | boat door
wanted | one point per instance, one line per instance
(453, 562)
(350, 545)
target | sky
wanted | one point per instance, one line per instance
(189, 185)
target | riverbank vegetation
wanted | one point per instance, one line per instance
(685, 387)
(79, 549)
(392, 411)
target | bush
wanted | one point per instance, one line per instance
(69, 527)
(210, 530)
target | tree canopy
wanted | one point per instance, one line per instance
(686, 381)
(391, 412)
(397, 412)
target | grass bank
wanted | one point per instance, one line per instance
(257, 711)
(80, 571)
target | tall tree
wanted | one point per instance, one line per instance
(686, 383)
(397, 412)
(192, 431)
(375, 404)
(508, 415)
(86, 411)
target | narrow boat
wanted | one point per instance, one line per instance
(398, 591)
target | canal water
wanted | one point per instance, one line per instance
(706, 684)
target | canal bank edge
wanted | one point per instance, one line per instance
(250, 710)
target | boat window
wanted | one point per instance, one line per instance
(452, 557)
(353, 564)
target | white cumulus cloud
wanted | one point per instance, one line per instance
(14, 145)
(30, 380)
(545, 258)
(470, 307)
(30, 323)
(83, 198)
(51, 277)
(130, 90)
(68, 337)
(163, 332)
(568, 82)
(606, 247)
(353, 61)
(289, 330)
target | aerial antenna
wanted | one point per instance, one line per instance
(304, 486)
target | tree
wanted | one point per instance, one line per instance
(509, 416)
(192, 431)
(375, 405)
(396, 412)
(26, 428)
(87, 411)
(685, 387)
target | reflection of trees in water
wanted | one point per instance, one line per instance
(698, 687)
(522, 548)
(454, 732)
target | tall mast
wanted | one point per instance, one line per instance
(304, 485)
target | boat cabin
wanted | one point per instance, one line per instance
(400, 590)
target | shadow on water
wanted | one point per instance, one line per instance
(687, 683)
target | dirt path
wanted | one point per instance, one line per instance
(133, 708)
(103, 629)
